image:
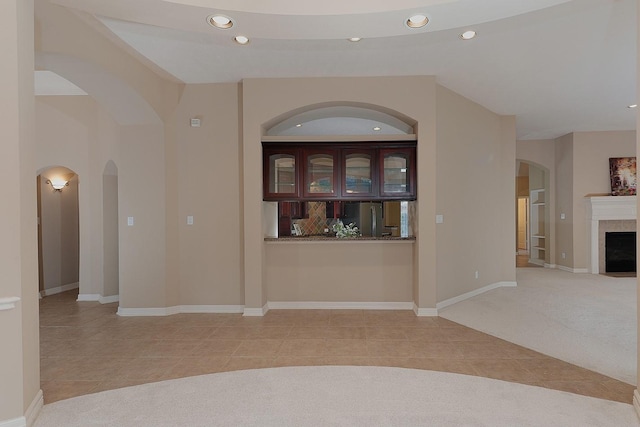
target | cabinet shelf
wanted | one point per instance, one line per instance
(537, 226)
(339, 171)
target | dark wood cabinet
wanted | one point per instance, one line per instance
(397, 172)
(320, 173)
(281, 177)
(339, 171)
(358, 169)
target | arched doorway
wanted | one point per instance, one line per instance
(58, 230)
(533, 233)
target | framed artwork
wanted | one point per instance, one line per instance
(622, 171)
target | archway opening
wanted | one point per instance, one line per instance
(532, 215)
(58, 230)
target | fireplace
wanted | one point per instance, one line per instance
(607, 214)
(620, 252)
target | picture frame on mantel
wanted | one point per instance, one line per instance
(622, 171)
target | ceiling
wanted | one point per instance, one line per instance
(559, 66)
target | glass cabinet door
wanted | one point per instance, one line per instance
(280, 179)
(320, 174)
(397, 172)
(357, 172)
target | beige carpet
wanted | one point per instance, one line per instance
(335, 396)
(585, 319)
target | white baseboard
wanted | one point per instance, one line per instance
(212, 309)
(459, 298)
(30, 416)
(34, 408)
(108, 300)
(99, 298)
(89, 297)
(59, 289)
(425, 312)
(152, 311)
(327, 305)
(549, 265)
(15, 422)
(256, 312)
(572, 270)
(168, 311)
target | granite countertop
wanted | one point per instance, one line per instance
(331, 238)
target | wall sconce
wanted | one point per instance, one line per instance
(58, 184)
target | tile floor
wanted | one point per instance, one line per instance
(523, 261)
(85, 347)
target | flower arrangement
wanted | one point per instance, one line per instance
(344, 231)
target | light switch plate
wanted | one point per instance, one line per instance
(130, 221)
(439, 219)
(190, 220)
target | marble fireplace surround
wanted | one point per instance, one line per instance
(607, 213)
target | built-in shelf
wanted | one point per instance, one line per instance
(537, 206)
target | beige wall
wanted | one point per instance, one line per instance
(209, 182)
(339, 271)
(564, 200)
(19, 358)
(142, 194)
(134, 101)
(96, 61)
(265, 100)
(582, 168)
(76, 132)
(64, 135)
(476, 196)
(591, 153)
(110, 223)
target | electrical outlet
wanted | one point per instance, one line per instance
(477, 275)
(564, 255)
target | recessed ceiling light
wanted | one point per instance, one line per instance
(417, 21)
(241, 39)
(220, 21)
(468, 35)
(377, 128)
(299, 125)
(632, 106)
(355, 39)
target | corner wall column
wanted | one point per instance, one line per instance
(20, 396)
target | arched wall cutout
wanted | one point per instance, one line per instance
(345, 117)
(110, 168)
(123, 103)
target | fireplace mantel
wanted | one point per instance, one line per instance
(606, 208)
